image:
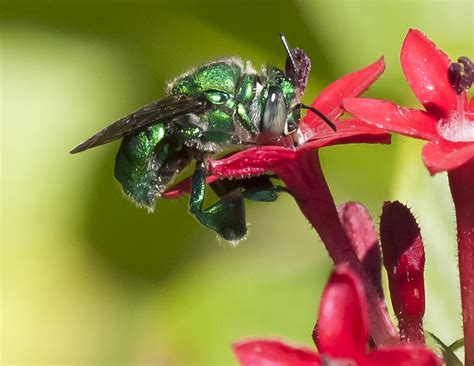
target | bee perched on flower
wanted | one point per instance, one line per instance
(223, 104)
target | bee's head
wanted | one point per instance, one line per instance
(280, 98)
(281, 94)
(277, 99)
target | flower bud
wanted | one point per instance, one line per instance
(404, 260)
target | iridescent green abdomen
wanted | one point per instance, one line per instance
(147, 161)
(133, 161)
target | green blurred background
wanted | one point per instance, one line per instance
(87, 278)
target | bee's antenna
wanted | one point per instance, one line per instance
(320, 114)
(288, 51)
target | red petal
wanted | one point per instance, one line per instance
(391, 117)
(471, 104)
(403, 356)
(273, 353)
(426, 70)
(258, 160)
(329, 101)
(250, 162)
(442, 155)
(184, 187)
(343, 316)
(348, 131)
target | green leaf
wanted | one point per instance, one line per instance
(448, 351)
(457, 344)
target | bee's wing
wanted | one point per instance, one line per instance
(161, 110)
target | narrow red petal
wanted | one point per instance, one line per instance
(348, 131)
(391, 117)
(351, 85)
(250, 162)
(403, 356)
(440, 156)
(266, 352)
(426, 70)
(343, 316)
(184, 187)
(471, 104)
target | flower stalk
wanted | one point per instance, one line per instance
(461, 182)
(305, 181)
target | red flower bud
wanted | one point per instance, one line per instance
(404, 260)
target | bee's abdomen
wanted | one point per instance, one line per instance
(145, 164)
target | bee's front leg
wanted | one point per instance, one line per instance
(226, 216)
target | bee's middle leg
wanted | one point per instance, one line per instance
(259, 189)
(226, 216)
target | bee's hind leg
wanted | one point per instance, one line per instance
(226, 216)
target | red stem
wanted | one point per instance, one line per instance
(305, 180)
(461, 181)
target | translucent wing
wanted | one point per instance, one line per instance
(161, 110)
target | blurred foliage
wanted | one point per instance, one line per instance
(87, 278)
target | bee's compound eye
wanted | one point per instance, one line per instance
(275, 114)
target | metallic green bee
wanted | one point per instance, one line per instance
(217, 106)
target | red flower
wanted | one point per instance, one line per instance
(448, 125)
(341, 335)
(448, 122)
(300, 170)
